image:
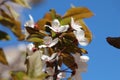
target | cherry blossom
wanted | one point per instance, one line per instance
(56, 27)
(79, 33)
(84, 58)
(75, 25)
(48, 42)
(82, 66)
(30, 23)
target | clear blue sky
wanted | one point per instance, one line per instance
(104, 61)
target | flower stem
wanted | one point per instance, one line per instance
(56, 70)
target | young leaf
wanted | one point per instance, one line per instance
(83, 51)
(114, 41)
(34, 39)
(31, 30)
(4, 36)
(78, 13)
(3, 59)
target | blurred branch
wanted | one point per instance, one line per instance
(4, 2)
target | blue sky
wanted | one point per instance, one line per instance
(104, 61)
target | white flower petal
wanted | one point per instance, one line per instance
(30, 46)
(53, 56)
(84, 42)
(63, 28)
(74, 25)
(84, 58)
(52, 28)
(26, 34)
(42, 46)
(61, 75)
(31, 18)
(54, 42)
(80, 35)
(30, 22)
(82, 66)
(45, 58)
(55, 23)
(56, 26)
(47, 40)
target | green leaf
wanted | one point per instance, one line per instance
(53, 33)
(43, 76)
(4, 36)
(3, 59)
(23, 3)
(65, 21)
(18, 75)
(35, 38)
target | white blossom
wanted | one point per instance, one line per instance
(61, 75)
(30, 23)
(52, 58)
(75, 25)
(82, 66)
(56, 27)
(84, 58)
(48, 42)
(79, 33)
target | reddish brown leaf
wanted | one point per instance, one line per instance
(69, 61)
(114, 41)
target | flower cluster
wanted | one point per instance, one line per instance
(57, 38)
